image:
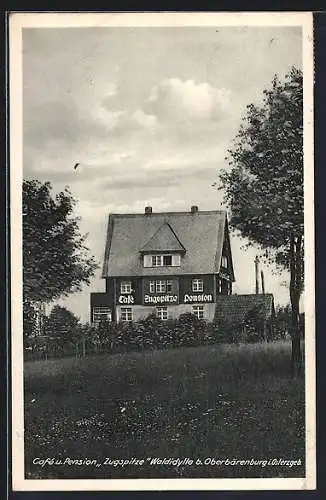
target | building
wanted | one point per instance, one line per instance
(242, 313)
(164, 263)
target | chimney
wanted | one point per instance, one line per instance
(148, 210)
(194, 209)
(262, 282)
(256, 273)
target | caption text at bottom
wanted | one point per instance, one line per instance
(170, 461)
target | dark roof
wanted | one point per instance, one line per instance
(232, 310)
(201, 234)
(164, 240)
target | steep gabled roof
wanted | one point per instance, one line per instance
(163, 240)
(232, 310)
(201, 234)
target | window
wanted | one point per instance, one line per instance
(160, 286)
(126, 314)
(197, 285)
(167, 260)
(161, 260)
(176, 260)
(198, 311)
(224, 261)
(162, 313)
(101, 313)
(125, 287)
(156, 260)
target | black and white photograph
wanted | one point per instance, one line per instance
(162, 247)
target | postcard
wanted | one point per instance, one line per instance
(162, 244)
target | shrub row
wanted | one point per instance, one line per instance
(149, 333)
(152, 333)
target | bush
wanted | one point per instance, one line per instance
(29, 319)
(147, 334)
(152, 333)
(254, 326)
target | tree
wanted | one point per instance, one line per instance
(63, 326)
(254, 324)
(263, 185)
(29, 320)
(55, 258)
(282, 321)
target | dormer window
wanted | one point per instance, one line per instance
(156, 260)
(163, 260)
(167, 260)
(163, 249)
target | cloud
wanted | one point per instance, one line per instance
(56, 121)
(133, 122)
(63, 119)
(174, 100)
(122, 122)
(192, 158)
(159, 178)
(144, 120)
(138, 181)
(159, 203)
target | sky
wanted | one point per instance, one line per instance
(149, 114)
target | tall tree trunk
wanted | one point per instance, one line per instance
(295, 292)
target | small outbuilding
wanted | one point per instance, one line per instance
(249, 317)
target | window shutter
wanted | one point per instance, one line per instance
(176, 260)
(147, 261)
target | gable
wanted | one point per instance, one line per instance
(163, 240)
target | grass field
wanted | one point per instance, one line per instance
(221, 402)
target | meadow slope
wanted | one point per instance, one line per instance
(221, 401)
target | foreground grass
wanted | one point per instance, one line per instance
(235, 402)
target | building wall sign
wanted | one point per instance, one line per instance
(201, 297)
(126, 299)
(160, 299)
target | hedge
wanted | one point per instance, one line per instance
(153, 333)
(149, 333)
